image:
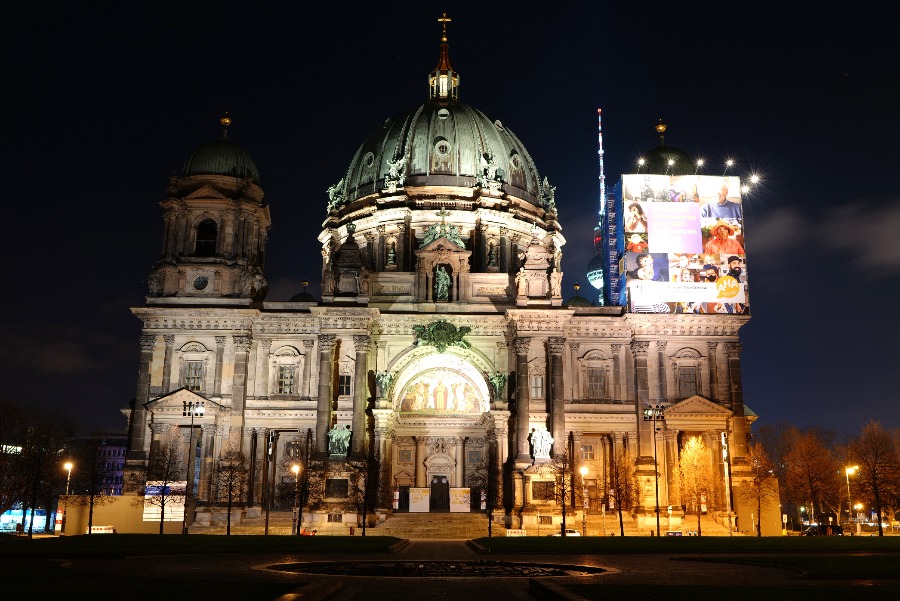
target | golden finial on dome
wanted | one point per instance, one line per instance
(577, 287)
(661, 129)
(225, 121)
(304, 283)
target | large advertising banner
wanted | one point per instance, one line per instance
(684, 244)
(460, 500)
(419, 500)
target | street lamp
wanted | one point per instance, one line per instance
(585, 500)
(68, 467)
(655, 414)
(296, 469)
(847, 472)
(192, 409)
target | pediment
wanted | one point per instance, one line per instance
(205, 192)
(175, 402)
(443, 244)
(697, 406)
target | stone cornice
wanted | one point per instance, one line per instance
(685, 325)
(196, 319)
(402, 325)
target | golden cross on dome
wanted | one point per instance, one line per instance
(444, 20)
(442, 214)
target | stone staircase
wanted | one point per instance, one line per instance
(436, 525)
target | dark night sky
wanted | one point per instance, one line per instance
(103, 103)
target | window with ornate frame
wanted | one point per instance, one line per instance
(193, 361)
(687, 368)
(596, 371)
(587, 451)
(285, 370)
(537, 385)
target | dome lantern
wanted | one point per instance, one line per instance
(443, 83)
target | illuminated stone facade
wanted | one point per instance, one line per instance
(441, 339)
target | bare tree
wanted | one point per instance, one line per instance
(563, 471)
(92, 478)
(165, 469)
(14, 422)
(761, 488)
(698, 481)
(231, 478)
(44, 442)
(879, 466)
(364, 479)
(493, 486)
(621, 485)
(811, 472)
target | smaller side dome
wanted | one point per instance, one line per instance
(221, 157)
(666, 160)
(577, 300)
(303, 297)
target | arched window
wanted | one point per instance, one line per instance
(207, 233)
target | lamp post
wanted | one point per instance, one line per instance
(68, 467)
(655, 414)
(192, 409)
(296, 469)
(847, 472)
(585, 501)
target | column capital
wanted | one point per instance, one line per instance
(661, 345)
(556, 345)
(522, 345)
(362, 342)
(265, 344)
(148, 342)
(615, 347)
(169, 339)
(308, 344)
(326, 342)
(639, 349)
(242, 343)
(712, 346)
(733, 349)
(220, 341)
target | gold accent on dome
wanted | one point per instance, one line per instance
(444, 20)
(225, 121)
(661, 127)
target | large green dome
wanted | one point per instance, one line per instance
(442, 142)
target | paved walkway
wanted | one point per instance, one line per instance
(623, 570)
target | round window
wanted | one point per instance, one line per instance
(443, 114)
(201, 282)
(442, 148)
(369, 159)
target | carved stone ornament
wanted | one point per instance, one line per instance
(384, 379)
(326, 342)
(148, 342)
(441, 334)
(336, 195)
(522, 345)
(556, 346)
(639, 349)
(362, 343)
(733, 349)
(498, 381)
(242, 343)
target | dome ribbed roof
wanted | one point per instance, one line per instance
(445, 143)
(221, 157)
(577, 301)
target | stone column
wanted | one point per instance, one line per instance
(307, 362)
(504, 251)
(617, 375)
(642, 400)
(402, 251)
(736, 397)
(662, 395)
(523, 400)
(239, 387)
(323, 406)
(167, 363)
(712, 354)
(360, 392)
(603, 475)
(420, 461)
(573, 384)
(673, 495)
(262, 380)
(459, 454)
(220, 358)
(137, 443)
(556, 347)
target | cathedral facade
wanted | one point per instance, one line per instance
(441, 348)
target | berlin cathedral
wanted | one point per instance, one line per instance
(442, 349)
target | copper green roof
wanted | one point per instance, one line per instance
(221, 157)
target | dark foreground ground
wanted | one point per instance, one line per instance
(145, 567)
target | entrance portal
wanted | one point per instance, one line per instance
(440, 494)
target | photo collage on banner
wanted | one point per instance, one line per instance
(684, 244)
